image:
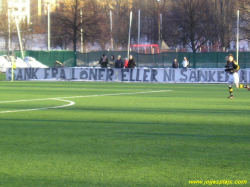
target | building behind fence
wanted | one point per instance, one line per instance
(161, 60)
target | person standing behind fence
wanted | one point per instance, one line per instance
(112, 61)
(175, 64)
(119, 63)
(104, 61)
(126, 63)
(185, 63)
(131, 62)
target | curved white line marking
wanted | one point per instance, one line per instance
(131, 93)
(34, 109)
(70, 102)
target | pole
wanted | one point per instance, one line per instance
(159, 27)
(139, 28)
(130, 24)
(237, 42)
(19, 37)
(160, 32)
(12, 68)
(48, 8)
(81, 33)
(9, 30)
(111, 31)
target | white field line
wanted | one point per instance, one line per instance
(70, 102)
(34, 109)
(72, 97)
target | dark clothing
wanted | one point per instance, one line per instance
(232, 67)
(112, 62)
(104, 62)
(131, 63)
(119, 64)
(175, 65)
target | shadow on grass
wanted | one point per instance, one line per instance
(186, 135)
(50, 181)
(62, 122)
(160, 110)
(84, 128)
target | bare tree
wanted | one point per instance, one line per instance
(224, 13)
(244, 7)
(7, 24)
(4, 24)
(67, 22)
(104, 37)
(192, 23)
(121, 22)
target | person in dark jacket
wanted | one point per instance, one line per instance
(175, 64)
(112, 61)
(119, 63)
(131, 62)
(104, 61)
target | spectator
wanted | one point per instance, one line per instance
(185, 62)
(119, 63)
(131, 62)
(104, 61)
(175, 64)
(112, 61)
(126, 63)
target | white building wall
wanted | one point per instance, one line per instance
(21, 9)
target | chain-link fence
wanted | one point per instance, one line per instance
(165, 60)
(161, 60)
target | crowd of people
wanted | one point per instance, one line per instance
(117, 63)
(130, 63)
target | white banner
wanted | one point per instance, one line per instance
(167, 75)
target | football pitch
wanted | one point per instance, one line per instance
(77, 134)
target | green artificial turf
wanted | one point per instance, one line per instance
(2, 76)
(151, 139)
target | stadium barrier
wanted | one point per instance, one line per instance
(154, 75)
(161, 60)
(165, 60)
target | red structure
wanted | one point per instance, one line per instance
(145, 48)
